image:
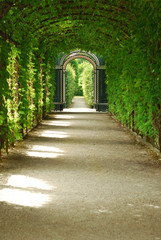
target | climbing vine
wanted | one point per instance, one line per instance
(4, 94)
(126, 33)
(12, 103)
(134, 89)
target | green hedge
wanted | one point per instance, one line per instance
(27, 93)
(69, 84)
(126, 33)
(78, 86)
(86, 79)
(134, 88)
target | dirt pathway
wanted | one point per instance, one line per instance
(79, 176)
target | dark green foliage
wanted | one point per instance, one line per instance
(4, 94)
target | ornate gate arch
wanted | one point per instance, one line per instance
(100, 98)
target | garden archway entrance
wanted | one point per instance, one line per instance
(100, 98)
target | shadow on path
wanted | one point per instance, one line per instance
(80, 177)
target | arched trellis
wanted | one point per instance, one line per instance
(100, 98)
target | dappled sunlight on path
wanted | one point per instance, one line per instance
(80, 177)
(27, 182)
(23, 197)
(22, 190)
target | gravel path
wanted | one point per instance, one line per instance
(80, 176)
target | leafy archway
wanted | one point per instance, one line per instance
(34, 33)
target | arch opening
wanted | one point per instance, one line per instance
(100, 98)
(79, 81)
